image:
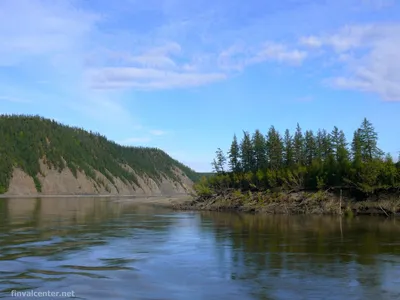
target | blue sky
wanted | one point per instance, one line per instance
(185, 76)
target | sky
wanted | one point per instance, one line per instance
(185, 76)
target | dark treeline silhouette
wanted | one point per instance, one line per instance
(24, 140)
(307, 160)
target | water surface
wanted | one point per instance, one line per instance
(107, 249)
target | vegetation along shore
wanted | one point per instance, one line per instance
(307, 172)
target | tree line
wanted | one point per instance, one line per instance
(24, 140)
(304, 161)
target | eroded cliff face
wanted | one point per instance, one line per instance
(54, 182)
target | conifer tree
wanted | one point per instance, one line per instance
(298, 145)
(356, 148)
(260, 151)
(310, 147)
(288, 149)
(234, 153)
(274, 149)
(339, 145)
(369, 141)
(247, 153)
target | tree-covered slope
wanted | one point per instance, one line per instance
(24, 140)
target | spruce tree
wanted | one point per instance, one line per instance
(288, 149)
(274, 149)
(369, 141)
(310, 147)
(356, 149)
(247, 153)
(234, 156)
(298, 145)
(260, 151)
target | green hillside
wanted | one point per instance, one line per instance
(26, 139)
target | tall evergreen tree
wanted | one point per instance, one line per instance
(356, 148)
(234, 156)
(247, 153)
(260, 150)
(288, 149)
(339, 145)
(369, 141)
(298, 145)
(310, 147)
(327, 148)
(319, 143)
(275, 149)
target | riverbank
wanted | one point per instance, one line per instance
(177, 196)
(165, 201)
(315, 203)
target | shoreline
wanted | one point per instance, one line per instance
(301, 203)
(2, 196)
(161, 200)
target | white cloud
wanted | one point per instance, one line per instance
(13, 99)
(69, 41)
(369, 56)
(54, 38)
(165, 67)
(238, 57)
(34, 28)
(311, 41)
(378, 4)
(147, 78)
(280, 53)
(157, 132)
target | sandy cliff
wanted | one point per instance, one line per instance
(54, 182)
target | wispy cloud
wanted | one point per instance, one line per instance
(46, 30)
(90, 54)
(311, 41)
(368, 55)
(147, 78)
(238, 57)
(157, 132)
(90, 49)
(167, 66)
(12, 99)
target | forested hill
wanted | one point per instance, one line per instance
(33, 143)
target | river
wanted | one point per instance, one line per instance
(96, 248)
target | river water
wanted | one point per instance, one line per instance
(107, 249)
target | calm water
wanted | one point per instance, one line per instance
(105, 249)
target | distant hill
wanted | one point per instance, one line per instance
(206, 174)
(39, 155)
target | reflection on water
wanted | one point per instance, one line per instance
(105, 249)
